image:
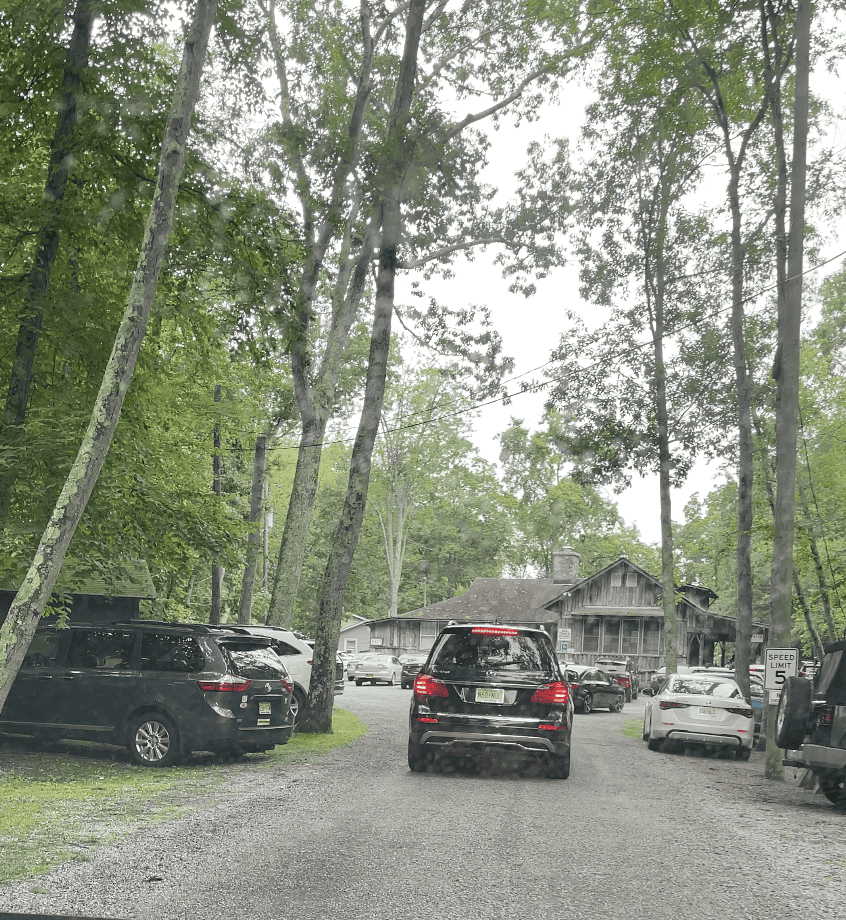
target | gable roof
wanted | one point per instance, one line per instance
(128, 578)
(519, 600)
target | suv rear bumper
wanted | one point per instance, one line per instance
(817, 757)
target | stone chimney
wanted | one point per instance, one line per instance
(565, 566)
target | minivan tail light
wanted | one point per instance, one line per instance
(556, 693)
(430, 686)
(230, 683)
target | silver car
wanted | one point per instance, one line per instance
(378, 668)
(699, 709)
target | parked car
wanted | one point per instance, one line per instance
(756, 689)
(624, 672)
(410, 669)
(486, 689)
(699, 709)
(811, 723)
(378, 669)
(354, 660)
(594, 689)
(298, 655)
(660, 676)
(161, 690)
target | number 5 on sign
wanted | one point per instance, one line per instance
(779, 664)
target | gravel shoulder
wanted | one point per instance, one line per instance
(632, 833)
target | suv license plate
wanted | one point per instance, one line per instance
(264, 709)
(486, 695)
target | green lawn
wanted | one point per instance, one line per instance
(58, 806)
(633, 729)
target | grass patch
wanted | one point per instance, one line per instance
(633, 728)
(56, 807)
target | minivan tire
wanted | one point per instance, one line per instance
(152, 740)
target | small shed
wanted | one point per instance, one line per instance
(94, 595)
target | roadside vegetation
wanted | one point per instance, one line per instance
(57, 806)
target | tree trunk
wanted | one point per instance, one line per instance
(19, 627)
(292, 549)
(32, 311)
(318, 710)
(786, 371)
(253, 544)
(216, 571)
(745, 465)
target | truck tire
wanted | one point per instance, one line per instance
(794, 710)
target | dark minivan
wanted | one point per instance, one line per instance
(160, 689)
(487, 689)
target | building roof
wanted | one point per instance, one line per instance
(128, 578)
(519, 600)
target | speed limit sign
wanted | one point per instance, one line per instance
(779, 664)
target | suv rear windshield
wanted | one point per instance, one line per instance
(257, 662)
(501, 652)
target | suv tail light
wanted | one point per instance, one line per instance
(430, 686)
(288, 684)
(230, 683)
(556, 693)
(672, 704)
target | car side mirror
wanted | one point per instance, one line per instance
(647, 691)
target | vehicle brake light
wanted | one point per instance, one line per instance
(745, 711)
(556, 693)
(288, 684)
(493, 631)
(573, 686)
(229, 684)
(430, 686)
(673, 704)
(309, 661)
(552, 728)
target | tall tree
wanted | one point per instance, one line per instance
(19, 627)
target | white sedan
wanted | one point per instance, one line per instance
(700, 709)
(376, 668)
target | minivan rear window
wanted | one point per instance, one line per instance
(503, 653)
(257, 662)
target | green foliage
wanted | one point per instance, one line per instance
(551, 509)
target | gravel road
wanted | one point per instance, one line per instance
(632, 834)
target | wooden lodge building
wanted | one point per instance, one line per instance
(616, 612)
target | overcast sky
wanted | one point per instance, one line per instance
(531, 327)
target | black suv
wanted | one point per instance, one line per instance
(161, 690)
(488, 689)
(811, 718)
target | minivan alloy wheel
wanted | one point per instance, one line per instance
(152, 741)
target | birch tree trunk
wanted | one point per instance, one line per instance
(19, 627)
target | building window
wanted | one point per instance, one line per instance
(631, 580)
(428, 633)
(630, 631)
(611, 637)
(651, 637)
(616, 579)
(351, 645)
(591, 637)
